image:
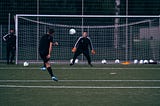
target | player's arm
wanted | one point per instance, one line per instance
(76, 44)
(91, 46)
(50, 50)
(14, 42)
(55, 44)
(5, 37)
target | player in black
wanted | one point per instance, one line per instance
(10, 39)
(81, 46)
(45, 49)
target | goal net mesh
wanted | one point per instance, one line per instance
(123, 38)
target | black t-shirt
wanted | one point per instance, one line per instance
(45, 43)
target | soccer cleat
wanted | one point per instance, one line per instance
(91, 65)
(54, 78)
(43, 68)
(71, 64)
(11, 63)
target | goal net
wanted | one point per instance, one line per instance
(114, 37)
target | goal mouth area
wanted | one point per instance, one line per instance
(114, 37)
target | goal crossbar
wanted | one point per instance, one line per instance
(90, 16)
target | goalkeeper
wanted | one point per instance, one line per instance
(81, 46)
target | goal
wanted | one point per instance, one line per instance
(114, 37)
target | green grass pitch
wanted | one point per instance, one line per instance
(80, 85)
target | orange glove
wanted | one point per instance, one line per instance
(93, 52)
(74, 49)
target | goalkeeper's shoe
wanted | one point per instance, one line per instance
(91, 65)
(54, 78)
(71, 64)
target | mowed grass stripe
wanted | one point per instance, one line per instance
(81, 81)
(78, 68)
(82, 87)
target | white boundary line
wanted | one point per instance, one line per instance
(29, 68)
(3, 81)
(81, 87)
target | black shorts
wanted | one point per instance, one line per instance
(44, 57)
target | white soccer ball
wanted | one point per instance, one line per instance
(135, 61)
(141, 62)
(43, 68)
(145, 61)
(103, 61)
(25, 64)
(151, 61)
(117, 61)
(72, 31)
(76, 61)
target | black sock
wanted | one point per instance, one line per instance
(44, 65)
(50, 71)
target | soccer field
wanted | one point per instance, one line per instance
(80, 85)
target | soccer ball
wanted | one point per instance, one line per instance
(145, 61)
(117, 61)
(25, 64)
(76, 61)
(72, 31)
(141, 62)
(103, 61)
(151, 61)
(43, 68)
(135, 61)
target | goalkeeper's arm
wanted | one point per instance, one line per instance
(90, 43)
(76, 45)
(91, 46)
(77, 42)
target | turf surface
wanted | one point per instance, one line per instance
(80, 85)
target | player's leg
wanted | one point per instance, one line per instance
(43, 68)
(76, 54)
(48, 66)
(44, 65)
(12, 55)
(86, 54)
(8, 53)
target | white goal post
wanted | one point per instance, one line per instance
(137, 37)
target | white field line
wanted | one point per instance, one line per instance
(78, 68)
(27, 81)
(81, 87)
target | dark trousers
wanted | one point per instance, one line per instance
(86, 54)
(10, 51)
(44, 57)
